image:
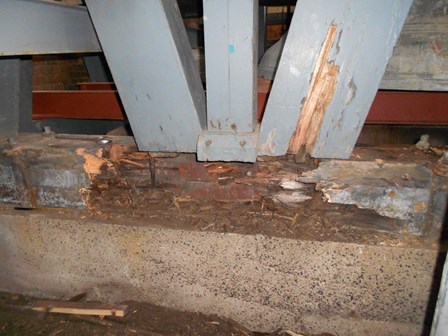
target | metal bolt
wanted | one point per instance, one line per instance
(47, 132)
(243, 143)
(208, 143)
(103, 141)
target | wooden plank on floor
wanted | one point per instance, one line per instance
(81, 308)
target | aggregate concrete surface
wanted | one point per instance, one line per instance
(262, 282)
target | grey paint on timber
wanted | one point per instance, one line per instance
(9, 96)
(381, 187)
(220, 146)
(367, 33)
(45, 27)
(154, 71)
(362, 53)
(419, 60)
(231, 64)
(231, 38)
(307, 32)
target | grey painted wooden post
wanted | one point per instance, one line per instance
(366, 35)
(231, 63)
(149, 55)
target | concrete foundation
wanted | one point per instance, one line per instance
(263, 282)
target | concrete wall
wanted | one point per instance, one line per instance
(263, 282)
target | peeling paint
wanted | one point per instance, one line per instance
(268, 148)
(352, 88)
(380, 187)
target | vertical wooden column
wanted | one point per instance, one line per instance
(231, 42)
(332, 63)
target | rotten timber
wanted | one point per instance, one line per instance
(367, 33)
(396, 190)
(87, 172)
(75, 171)
(320, 94)
(46, 173)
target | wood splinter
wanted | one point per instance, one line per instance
(320, 94)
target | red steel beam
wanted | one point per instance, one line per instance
(97, 86)
(389, 107)
(77, 105)
(409, 108)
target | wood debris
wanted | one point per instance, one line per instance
(81, 308)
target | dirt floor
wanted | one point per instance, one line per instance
(16, 318)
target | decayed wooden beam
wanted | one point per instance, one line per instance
(396, 190)
(320, 94)
(81, 308)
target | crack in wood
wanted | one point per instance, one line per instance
(320, 94)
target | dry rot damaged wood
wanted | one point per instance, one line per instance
(121, 174)
(395, 190)
(320, 94)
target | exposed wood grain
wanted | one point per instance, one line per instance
(319, 96)
(395, 190)
(81, 308)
